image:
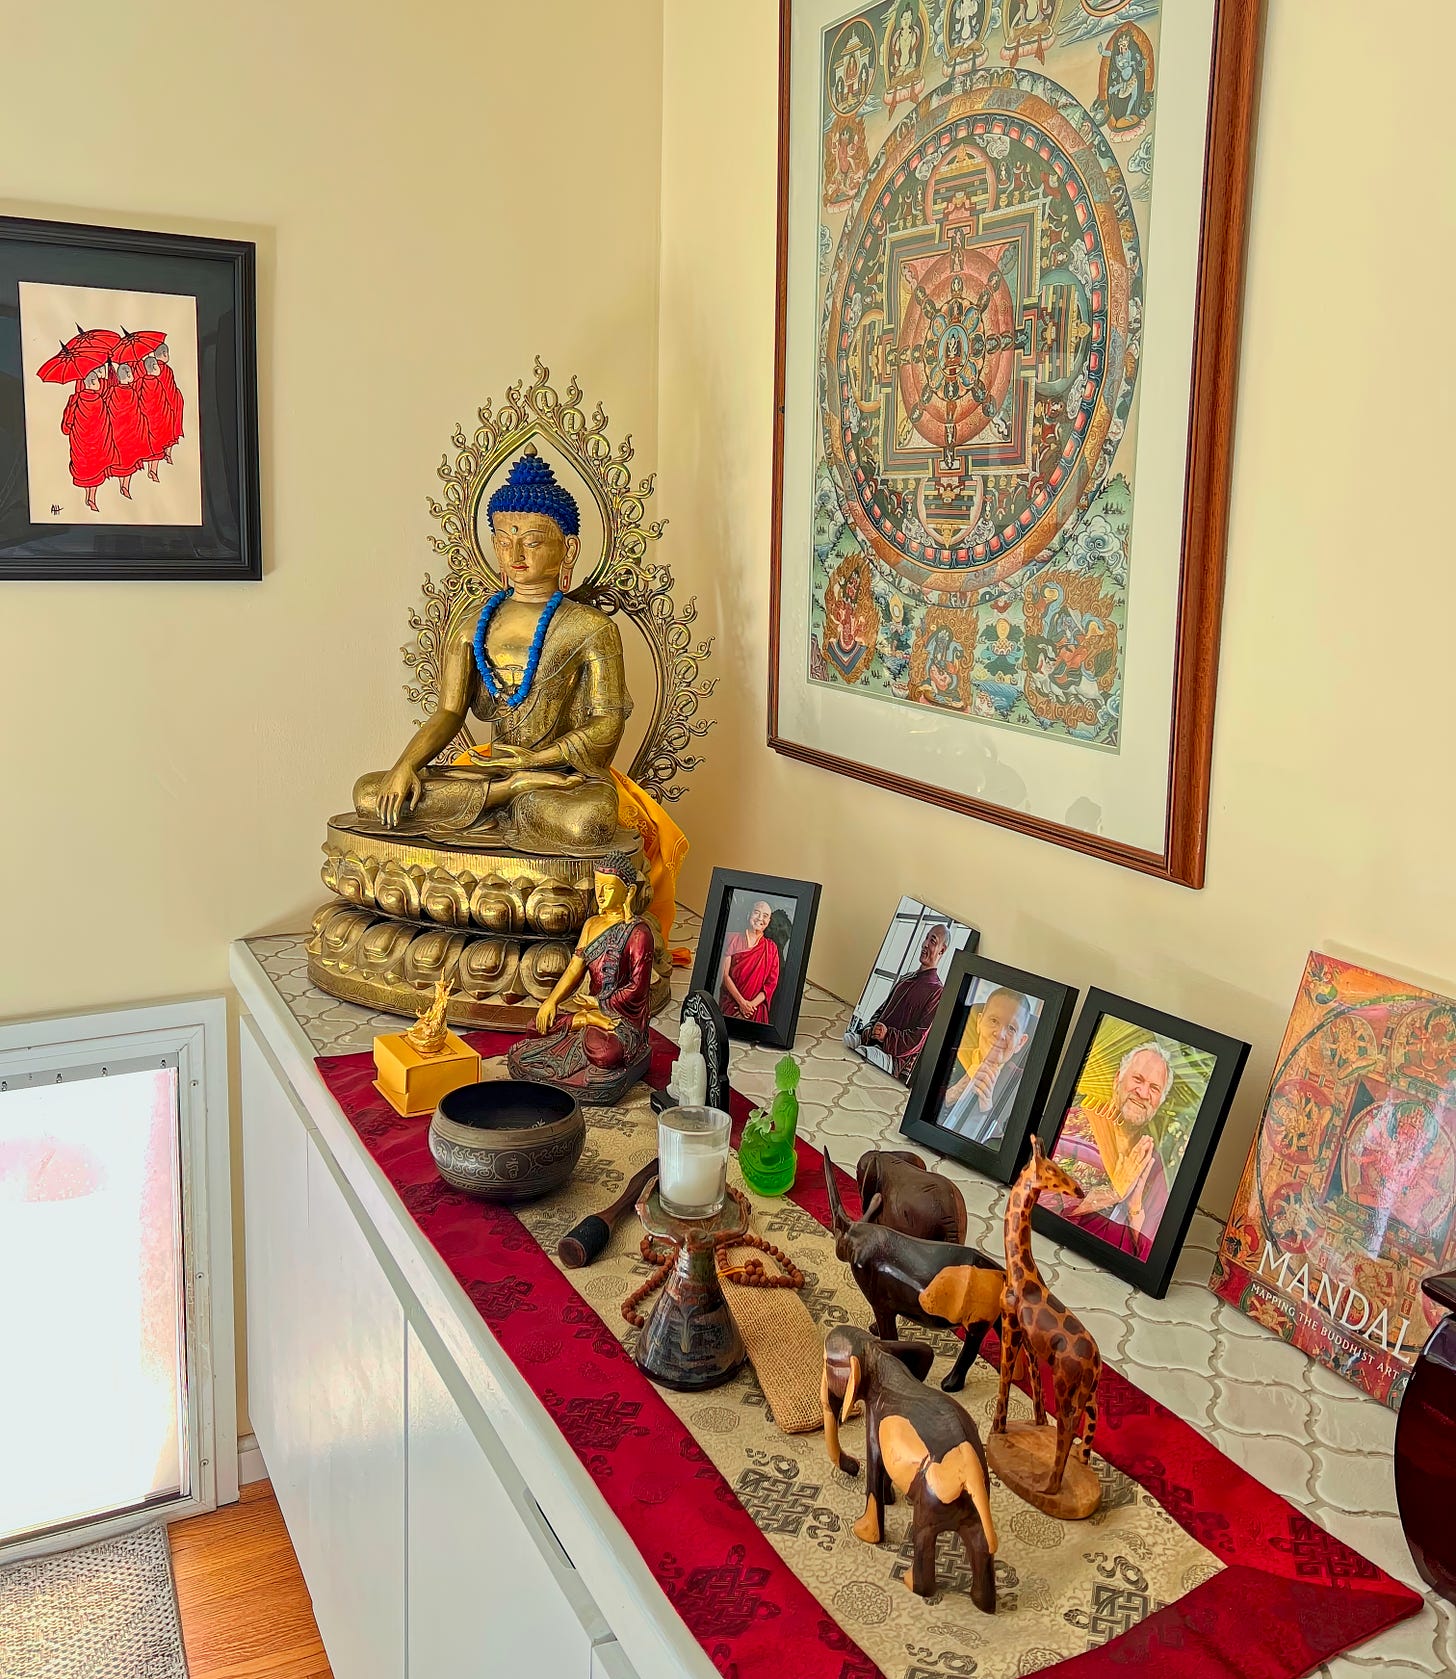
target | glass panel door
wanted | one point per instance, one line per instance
(93, 1404)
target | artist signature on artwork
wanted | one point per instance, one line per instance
(55, 508)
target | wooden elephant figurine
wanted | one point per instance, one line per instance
(917, 1442)
(939, 1284)
(913, 1199)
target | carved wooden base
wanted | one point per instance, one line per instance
(1022, 1458)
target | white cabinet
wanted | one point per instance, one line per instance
(275, 1194)
(609, 1661)
(325, 1377)
(425, 1554)
(491, 1593)
(356, 1485)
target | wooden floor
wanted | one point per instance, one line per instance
(245, 1609)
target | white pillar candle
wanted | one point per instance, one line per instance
(692, 1153)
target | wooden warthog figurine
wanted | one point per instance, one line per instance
(939, 1284)
(912, 1199)
(917, 1441)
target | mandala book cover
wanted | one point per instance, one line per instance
(1349, 1192)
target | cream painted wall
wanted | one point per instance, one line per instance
(1334, 801)
(437, 193)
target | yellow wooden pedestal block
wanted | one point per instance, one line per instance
(413, 1083)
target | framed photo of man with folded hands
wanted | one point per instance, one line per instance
(1135, 1118)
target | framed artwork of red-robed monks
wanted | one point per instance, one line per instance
(128, 404)
(1010, 267)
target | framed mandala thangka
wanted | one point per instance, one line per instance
(1009, 276)
(1348, 1197)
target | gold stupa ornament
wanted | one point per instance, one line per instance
(470, 860)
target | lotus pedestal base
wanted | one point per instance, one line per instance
(498, 925)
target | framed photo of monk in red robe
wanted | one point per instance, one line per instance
(128, 404)
(983, 1075)
(753, 953)
(897, 1007)
(1137, 1112)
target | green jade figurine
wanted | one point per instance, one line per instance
(766, 1155)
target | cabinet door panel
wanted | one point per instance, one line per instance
(609, 1661)
(356, 1497)
(490, 1592)
(275, 1213)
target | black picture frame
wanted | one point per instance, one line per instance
(920, 916)
(221, 276)
(1152, 1272)
(1003, 1159)
(777, 1032)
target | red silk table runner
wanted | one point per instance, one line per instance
(1290, 1594)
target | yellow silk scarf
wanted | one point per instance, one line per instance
(664, 843)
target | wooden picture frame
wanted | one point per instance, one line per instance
(1109, 1077)
(128, 405)
(1142, 803)
(992, 1137)
(732, 897)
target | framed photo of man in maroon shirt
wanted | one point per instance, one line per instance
(987, 1063)
(128, 404)
(897, 1007)
(1137, 1113)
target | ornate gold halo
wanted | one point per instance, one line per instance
(622, 580)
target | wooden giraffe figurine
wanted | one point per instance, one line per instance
(1036, 1330)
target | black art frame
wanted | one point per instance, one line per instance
(778, 1031)
(220, 274)
(1153, 1274)
(1005, 1159)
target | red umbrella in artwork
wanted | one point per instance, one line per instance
(132, 346)
(80, 355)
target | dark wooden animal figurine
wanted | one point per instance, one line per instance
(939, 1284)
(917, 1442)
(912, 1199)
(1037, 1329)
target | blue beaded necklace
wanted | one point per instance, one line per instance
(533, 658)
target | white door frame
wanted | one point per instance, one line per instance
(196, 1033)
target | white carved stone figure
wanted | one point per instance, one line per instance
(688, 1085)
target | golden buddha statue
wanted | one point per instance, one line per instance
(475, 865)
(545, 671)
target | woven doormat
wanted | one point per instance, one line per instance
(105, 1611)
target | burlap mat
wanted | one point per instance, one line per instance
(784, 1345)
(1063, 1587)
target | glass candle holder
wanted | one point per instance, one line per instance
(692, 1154)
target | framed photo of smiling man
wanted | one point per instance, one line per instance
(983, 1074)
(1137, 1113)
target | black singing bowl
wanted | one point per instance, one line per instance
(507, 1139)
